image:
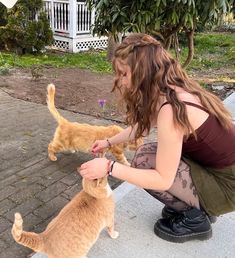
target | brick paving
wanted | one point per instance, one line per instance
(30, 183)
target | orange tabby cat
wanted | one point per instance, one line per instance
(76, 228)
(73, 136)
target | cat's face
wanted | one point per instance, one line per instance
(98, 188)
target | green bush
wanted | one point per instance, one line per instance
(3, 22)
(27, 28)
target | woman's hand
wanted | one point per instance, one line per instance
(94, 169)
(99, 145)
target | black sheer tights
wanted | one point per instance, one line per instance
(182, 195)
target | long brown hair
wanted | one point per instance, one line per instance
(155, 72)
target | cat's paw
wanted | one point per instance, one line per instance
(114, 234)
(53, 158)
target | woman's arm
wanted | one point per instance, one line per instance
(126, 135)
(167, 159)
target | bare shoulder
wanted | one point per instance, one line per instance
(165, 112)
(196, 116)
(165, 119)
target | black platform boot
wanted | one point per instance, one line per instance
(168, 212)
(189, 225)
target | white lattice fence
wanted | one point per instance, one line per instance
(95, 42)
(71, 23)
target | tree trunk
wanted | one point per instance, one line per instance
(190, 37)
(112, 44)
(168, 35)
(176, 46)
(168, 42)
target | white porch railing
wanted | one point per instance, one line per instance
(71, 23)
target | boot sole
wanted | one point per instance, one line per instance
(181, 239)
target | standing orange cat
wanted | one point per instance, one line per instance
(76, 228)
(73, 136)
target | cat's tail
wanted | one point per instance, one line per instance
(51, 104)
(28, 239)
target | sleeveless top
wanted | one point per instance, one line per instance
(214, 146)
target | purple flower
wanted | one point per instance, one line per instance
(102, 103)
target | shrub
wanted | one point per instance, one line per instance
(27, 28)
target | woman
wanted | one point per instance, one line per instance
(191, 168)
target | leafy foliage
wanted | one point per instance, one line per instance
(26, 28)
(148, 16)
(161, 18)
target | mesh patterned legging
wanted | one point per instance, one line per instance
(182, 195)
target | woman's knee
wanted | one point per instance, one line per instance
(145, 156)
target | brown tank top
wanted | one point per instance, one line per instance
(214, 147)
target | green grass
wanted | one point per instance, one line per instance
(212, 50)
(92, 60)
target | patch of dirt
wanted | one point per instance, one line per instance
(80, 90)
(77, 90)
(219, 81)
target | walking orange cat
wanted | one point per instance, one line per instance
(76, 228)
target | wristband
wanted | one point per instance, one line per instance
(109, 144)
(110, 171)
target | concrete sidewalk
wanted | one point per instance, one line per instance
(136, 213)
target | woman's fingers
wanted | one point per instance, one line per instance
(95, 148)
(83, 166)
(83, 172)
(94, 145)
(98, 146)
(89, 169)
